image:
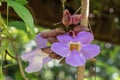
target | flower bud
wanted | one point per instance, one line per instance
(72, 33)
(75, 19)
(59, 31)
(47, 50)
(66, 18)
(52, 40)
(51, 53)
(52, 33)
(54, 56)
(80, 28)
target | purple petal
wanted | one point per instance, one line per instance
(89, 51)
(60, 49)
(29, 55)
(36, 60)
(35, 65)
(46, 60)
(37, 52)
(66, 38)
(84, 37)
(41, 42)
(75, 59)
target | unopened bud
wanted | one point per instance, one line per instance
(72, 33)
(59, 31)
(80, 28)
(52, 40)
(47, 50)
(76, 18)
(52, 33)
(48, 34)
(54, 56)
(66, 17)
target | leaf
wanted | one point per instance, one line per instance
(23, 2)
(24, 14)
(18, 25)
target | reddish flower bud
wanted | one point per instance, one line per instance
(59, 31)
(66, 18)
(52, 33)
(75, 19)
(80, 28)
(54, 56)
(52, 40)
(51, 53)
(47, 50)
(72, 33)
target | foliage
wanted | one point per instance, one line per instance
(25, 16)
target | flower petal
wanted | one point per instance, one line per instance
(89, 51)
(41, 42)
(36, 60)
(46, 60)
(29, 55)
(60, 49)
(35, 65)
(66, 38)
(84, 37)
(75, 59)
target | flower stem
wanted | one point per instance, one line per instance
(80, 72)
(85, 12)
(84, 22)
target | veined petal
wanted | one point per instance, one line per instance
(75, 59)
(66, 38)
(41, 42)
(60, 49)
(35, 65)
(84, 37)
(89, 51)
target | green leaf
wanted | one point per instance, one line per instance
(24, 14)
(18, 25)
(23, 2)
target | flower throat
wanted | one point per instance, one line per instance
(75, 46)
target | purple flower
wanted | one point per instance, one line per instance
(36, 58)
(77, 49)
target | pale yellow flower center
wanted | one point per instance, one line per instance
(75, 46)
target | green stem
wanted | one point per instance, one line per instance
(1, 68)
(1, 71)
